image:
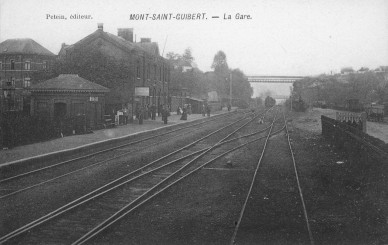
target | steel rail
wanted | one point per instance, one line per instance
(109, 149)
(124, 211)
(75, 171)
(252, 183)
(299, 186)
(90, 196)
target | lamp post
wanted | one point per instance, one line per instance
(165, 92)
(133, 98)
(154, 94)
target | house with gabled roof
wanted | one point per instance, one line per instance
(120, 63)
(23, 62)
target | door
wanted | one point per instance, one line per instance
(60, 110)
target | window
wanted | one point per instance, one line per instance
(1, 65)
(27, 65)
(42, 107)
(27, 82)
(44, 65)
(160, 73)
(148, 71)
(11, 81)
(12, 65)
(138, 69)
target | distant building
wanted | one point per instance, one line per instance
(142, 66)
(23, 62)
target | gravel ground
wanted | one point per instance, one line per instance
(346, 203)
(204, 209)
(24, 207)
(342, 207)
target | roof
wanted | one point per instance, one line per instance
(195, 99)
(23, 46)
(127, 46)
(150, 47)
(118, 41)
(68, 83)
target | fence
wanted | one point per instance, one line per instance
(354, 141)
(357, 120)
(19, 129)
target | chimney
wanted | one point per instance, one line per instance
(100, 26)
(126, 33)
(64, 45)
(145, 40)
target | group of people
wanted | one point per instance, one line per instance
(145, 112)
(186, 107)
(149, 111)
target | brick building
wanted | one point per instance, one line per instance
(120, 64)
(23, 62)
(69, 95)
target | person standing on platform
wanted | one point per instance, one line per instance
(141, 115)
(165, 114)
(126, 114)
(153, 112)
(184, 114)
(160, 108)
(203, 110)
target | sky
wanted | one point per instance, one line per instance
(282, 37)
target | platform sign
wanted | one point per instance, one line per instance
(93, 99)
(142, 91)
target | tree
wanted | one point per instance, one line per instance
(220, 65)
(187, 56)
(193, 80)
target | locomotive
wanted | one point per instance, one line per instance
(269, 101)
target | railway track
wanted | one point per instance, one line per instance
(255, 177)
(21, 182)
(181, 163)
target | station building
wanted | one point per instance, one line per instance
(23, 62)
(120, 63)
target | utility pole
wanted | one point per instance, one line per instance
(230, 90)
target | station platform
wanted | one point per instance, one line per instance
(20, 153)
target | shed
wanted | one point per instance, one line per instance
(196, 104)
(69, 96)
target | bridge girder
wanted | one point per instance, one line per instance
(273, 79)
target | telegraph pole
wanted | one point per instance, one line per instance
(230, 90)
